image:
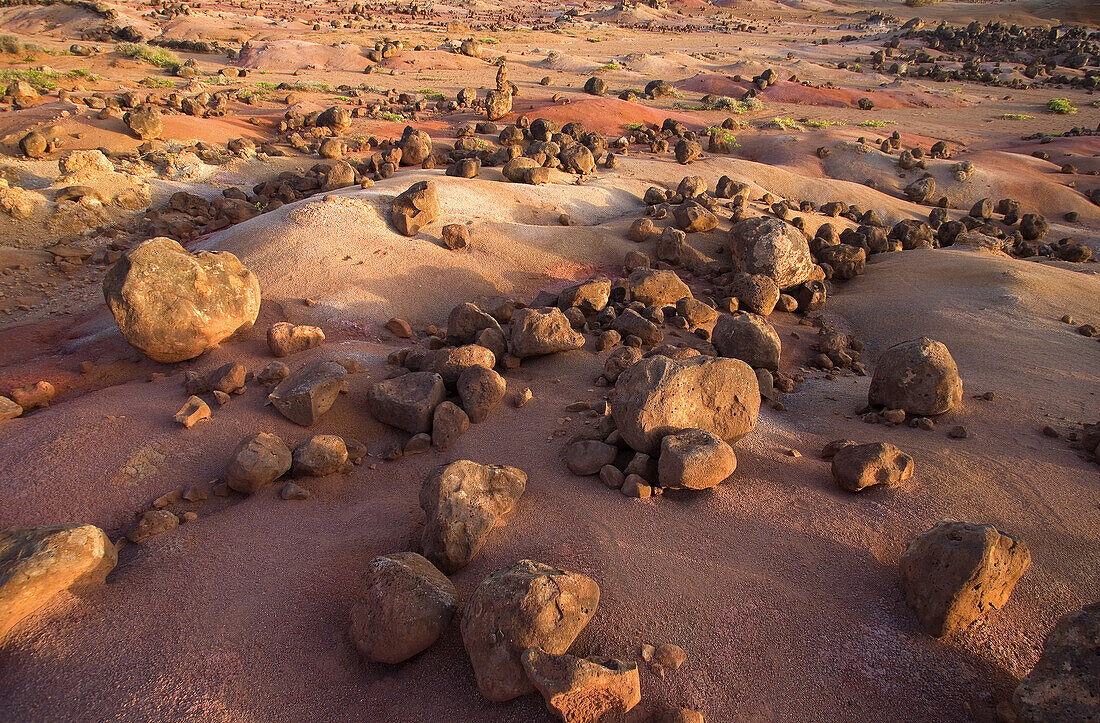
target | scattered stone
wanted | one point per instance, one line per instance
(9, 409)
(174, 305)
(320, 455)
(829, 450)
(153, 523)
(415, 208)
(33, 396)
(293, 491)
(527, 605)
(310, 392)
(456, 236)
(918, 376)
(956, 571)
(399, 328)
(773, 248)
(536, 332)
(654, 287)
(589, 456)
(192, 412)
(449, 423)
(1065, 684)
(463, 501)
(856, 466)
(750, 338)
(583, 689)
(274, 373)
(285, 338)
(258, 460)
(480, 390)
(403, 605)
(695, 459)
(636, 486)
(36, 563)
(659, 396)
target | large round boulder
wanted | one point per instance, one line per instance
(659, 396)
(174, 305)
(771, 247)
(918, 376)
(750, 338)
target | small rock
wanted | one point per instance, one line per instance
(292, 491)
(285, 338)
(320, 455)
(153, 523)
(258, 460)
(857, 466)
(310, 392)
(583, 689)
(192, 412)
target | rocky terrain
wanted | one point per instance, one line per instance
(668, 361)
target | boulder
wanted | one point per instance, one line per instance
(956, 571)
(771, 247)
(36, 563)
(694, 218)
(498, 103)
(589, 456)
(856, 466)
(589, 296)
(450, 362)
(463, 501)
(284, 338)
(449, 423)
(694, 459)
(846, 261)
(750, 338)
(754, 292)
(403, 606)
(320, 455)
(309, 392)
(465, 321)
(536, 332)
(416, 147)
(144, 122)
(526, 605)
(174, 305)
(1065, 684)
(481, 390)
(918, 376)
(258, 460)
(415, 208)
(34, 145)
(631, 323)
(659, 396)
(655, 287)
(583, 689)
(408, 401)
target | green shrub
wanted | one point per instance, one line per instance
(1015, 116)
(40, 80)
(1061, 106)
(159, 57)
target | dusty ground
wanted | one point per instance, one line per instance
(782, 589)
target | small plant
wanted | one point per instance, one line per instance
(11, 44)
(82, 74)
(1061, 106)
(875, 123)
(1015, 116)
(786, 124)
(392, 117)
(266, 85)
(432, 94)
(151, 82)
(821, 123)
(633, 126)
(608, 66)
(490, 41)
(723, 137)
(40, 80)
(159, 57)
(920, 3)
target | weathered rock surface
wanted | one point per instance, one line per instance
(771, 247)
(659, 396)
(526, 605)
(402, 607)
(653, 287)
(750, 338)
(588, 456)
(309, 392)
(536, 332)
(415, 208)
(320, 455)
(408, 401)
(856, 466)
(918, 376)
(1064, 685)
(258, 460)
(956, 571)
(481, 391)
(450, 362)
(36, 563)
(583, 690)
(463, 501)
(284, 338)
(174, 305)
(694, 459)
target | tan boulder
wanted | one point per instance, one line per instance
(463, 501)
(402, 607)
(258, 460)
(174, 305)
(583, 690)
(529, 604)
(36, 563)
(955, 572)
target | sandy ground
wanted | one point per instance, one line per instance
(782, 589)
